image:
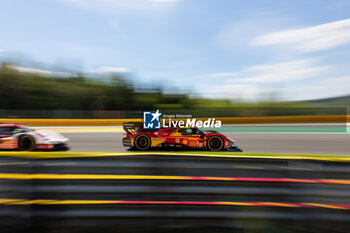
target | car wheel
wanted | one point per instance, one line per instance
(142, 142)
(26, 143)
(215, 143)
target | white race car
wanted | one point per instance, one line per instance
(20, 137)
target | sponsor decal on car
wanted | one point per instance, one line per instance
(8, 144)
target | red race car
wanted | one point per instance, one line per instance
(144, 139)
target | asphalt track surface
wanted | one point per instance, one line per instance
(71, 194)
(271, 142)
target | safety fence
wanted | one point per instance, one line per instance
(173, 193)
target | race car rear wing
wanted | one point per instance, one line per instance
(132, 127)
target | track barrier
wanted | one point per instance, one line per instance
(150, 192)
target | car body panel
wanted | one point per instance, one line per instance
(185, 137)
(44, 139)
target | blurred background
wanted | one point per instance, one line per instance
(277, 73)
(173, 54)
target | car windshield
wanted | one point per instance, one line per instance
(196, 131)
(13, 130)
(190, 131)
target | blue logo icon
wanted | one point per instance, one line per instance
(151, 120)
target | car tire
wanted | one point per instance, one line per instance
(215, 143)
(26, 143)
(142, 142)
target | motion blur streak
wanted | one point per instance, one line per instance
(114, 202)
(224, 120)
(154, 177)
(87, 192)
(250, 155)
